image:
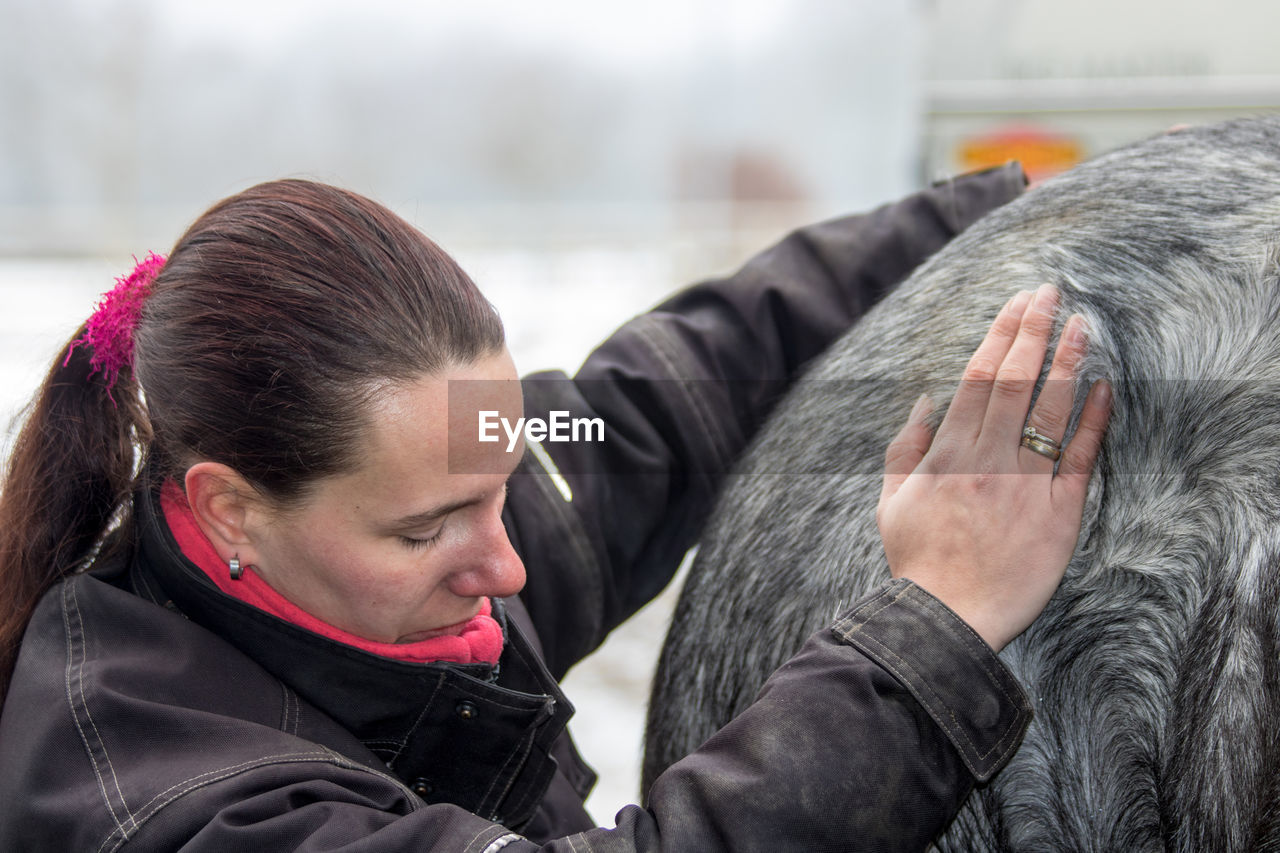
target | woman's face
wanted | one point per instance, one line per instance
(407, 545)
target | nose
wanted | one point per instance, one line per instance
(494, 568)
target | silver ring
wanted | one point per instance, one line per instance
(1039, 443)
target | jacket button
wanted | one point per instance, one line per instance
(422, 788)
(467, 710)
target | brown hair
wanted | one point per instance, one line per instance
(276, 316)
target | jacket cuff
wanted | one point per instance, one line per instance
(979, 192)
(947, 667)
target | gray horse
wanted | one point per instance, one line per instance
(1155, 669)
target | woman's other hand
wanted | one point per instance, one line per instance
(972, 515)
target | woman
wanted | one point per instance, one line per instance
(274, 585)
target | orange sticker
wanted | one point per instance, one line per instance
(1041, 153)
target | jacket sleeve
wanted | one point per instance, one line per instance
(602, 525)
(869, 739)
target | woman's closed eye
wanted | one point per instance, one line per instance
(417, 542)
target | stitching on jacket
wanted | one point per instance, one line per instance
(969, 635)
(518, 652)
(522, 749)
(667, 346)
(426, 706)
(914, 682)
(115, 846)
(489, 700)
(664, 345)
(75, 603)
(921, 685)
(517, 756)
(75, 661)
(297, 712)
(384, 742)
(193, 782)
(180, 789)
(858, 619)
(340, 760)
(291, 711)
(577, 539)
(907, 674)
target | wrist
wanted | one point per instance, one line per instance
(979, 613)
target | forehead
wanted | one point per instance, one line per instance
(422, 435)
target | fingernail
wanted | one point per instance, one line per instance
(1102, 393)
(1044, 295)
(1018, 303)
(1076, 330)
(919, 409)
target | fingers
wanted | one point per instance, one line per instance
(907, 448)
(965, 414)
(1080, 454)
(1053, 405)
(1017, 375)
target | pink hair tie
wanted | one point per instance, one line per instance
(110, 329)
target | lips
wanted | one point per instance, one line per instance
(453, 630)
(447, 631)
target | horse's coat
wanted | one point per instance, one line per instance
(1155, 669)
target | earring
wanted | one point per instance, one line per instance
(233, 565)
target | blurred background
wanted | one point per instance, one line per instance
(581, 159)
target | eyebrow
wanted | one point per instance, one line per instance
(419, 519)
(434, 514)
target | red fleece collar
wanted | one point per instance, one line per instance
(479, 641)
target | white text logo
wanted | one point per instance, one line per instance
(559, 427)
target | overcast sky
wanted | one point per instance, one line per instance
(115, 114)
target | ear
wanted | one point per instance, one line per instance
(227, 508)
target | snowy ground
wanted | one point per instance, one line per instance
(556, 306)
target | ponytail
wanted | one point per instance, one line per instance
(256, 342)
(69, 477)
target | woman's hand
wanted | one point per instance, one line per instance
(973, 516)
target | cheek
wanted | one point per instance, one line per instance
(350, 574)
(380, 575)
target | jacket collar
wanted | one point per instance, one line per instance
(470, 734)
